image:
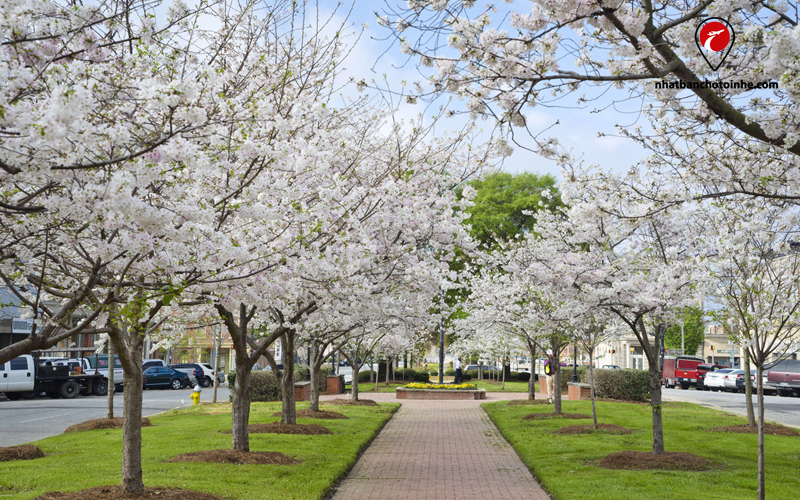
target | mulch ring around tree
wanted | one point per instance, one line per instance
(236, 457)
(589, 429)
(21, 452)
(350, 402)
(102, 423)
(279, 428)
(116, 493)
(644, 460)
(541, 416)
(306, 413)
(517, 402)
(773, 429)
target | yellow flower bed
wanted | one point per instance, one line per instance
(418, 385)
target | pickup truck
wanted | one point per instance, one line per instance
(95, 366)
(25, 377)
(682, 371)
(784, 377)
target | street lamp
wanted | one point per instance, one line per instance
(575, 361)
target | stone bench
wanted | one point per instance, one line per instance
(404, 393)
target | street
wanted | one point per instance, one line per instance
(24, 421)
(776, 409)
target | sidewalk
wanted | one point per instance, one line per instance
(439, 450)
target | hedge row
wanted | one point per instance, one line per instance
(627, 385)
(265, 386)
(511, 377)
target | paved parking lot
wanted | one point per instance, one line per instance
(23, 421)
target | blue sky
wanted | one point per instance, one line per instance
(578, 128)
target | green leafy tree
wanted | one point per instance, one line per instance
(501, 200)
(693, 332)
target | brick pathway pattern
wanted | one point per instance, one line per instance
(439, 450)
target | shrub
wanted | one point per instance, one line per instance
(523, 376)
(472, 374)
(408, 373)
(449, 373)
(627, 385)
(466, 377)
(265, 386)
(512, 376)
(421, 377)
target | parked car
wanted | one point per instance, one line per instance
(611, 367)
(741, 378)
(730, 380)
(715, 380)
(220, 373)
(147, 363)
(164, 376)
(189, 369)
(784, 377)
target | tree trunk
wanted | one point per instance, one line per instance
(240, 408)
(132, 483)
(288, 410)
(354, 383)
(217, 347)
(761, 457)
(591, 385)
(748, 389)
(532, 380)
(314, 367)
(556, 364)
(388, 367)
(655, 402)
(110, 395)
(504, 376)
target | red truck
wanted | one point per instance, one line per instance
(784, 377)
(682, 370)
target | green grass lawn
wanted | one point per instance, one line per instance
(566, 464)
(85, 459)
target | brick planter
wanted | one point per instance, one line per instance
(335, 384)
(302, 391)
(578, 391)
(403, 393)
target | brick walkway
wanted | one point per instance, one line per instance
(439, 450)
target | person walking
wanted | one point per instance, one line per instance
(459, 374)
(549, 379)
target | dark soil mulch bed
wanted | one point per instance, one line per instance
(21, 452)
(589, 429)
(102, 423)
(279, 428)
(773, 429)
(516, 402)
(115, 493)
(236, 457)
(305, 413)
(350, 402)
(643, 460)
(538, 416)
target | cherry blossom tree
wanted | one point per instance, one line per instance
(503, 63)
(755, 270)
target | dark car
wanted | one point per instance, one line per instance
(198, 374)
(164, 376)
(741, 380)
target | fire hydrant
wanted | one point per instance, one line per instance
(196, 395)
